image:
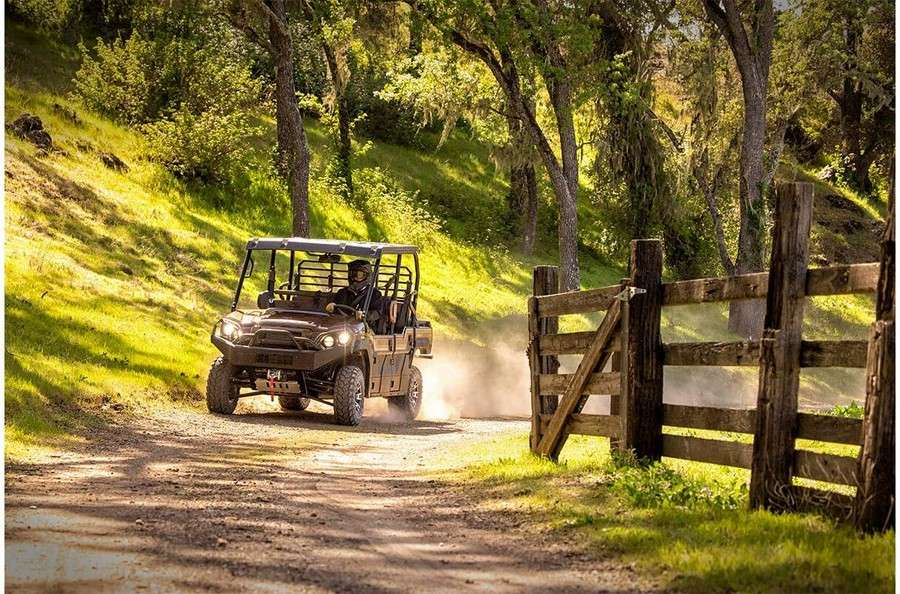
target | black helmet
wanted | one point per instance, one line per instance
(359, 266)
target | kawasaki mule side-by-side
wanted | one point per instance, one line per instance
(283, 339)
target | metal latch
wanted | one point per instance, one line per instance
(628, 292)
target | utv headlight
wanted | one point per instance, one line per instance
(230, 330)
(343, 338)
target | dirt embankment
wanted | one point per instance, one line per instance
(250, 503)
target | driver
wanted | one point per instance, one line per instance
(354, 295)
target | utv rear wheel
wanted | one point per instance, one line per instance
(410, 403)
(349, 395)
(292, 403)
(221, 391)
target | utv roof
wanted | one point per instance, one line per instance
(330, 246)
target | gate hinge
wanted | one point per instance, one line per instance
(628, 292)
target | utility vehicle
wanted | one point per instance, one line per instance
(285, 343)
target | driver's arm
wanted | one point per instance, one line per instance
(340, 298)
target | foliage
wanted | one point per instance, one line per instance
(402, 221)
(852, 410)
(125, 81)
(657, 485)
(188, 96)
(208, 146)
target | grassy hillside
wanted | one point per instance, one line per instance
(114, 278)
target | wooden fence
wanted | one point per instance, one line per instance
(629, 335)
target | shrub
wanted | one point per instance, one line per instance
(188, 100)
(208, 146)
(123, 81)
(659, 486)
(401, 219)
(852, 410)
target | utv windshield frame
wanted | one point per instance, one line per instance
(321, 250)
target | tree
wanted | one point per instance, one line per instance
(333, 28)
(442, 85)
(553, 42)
(752, 51)
(248, 16)
(851, 47)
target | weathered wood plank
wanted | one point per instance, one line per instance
(712, 451)
(545, 281)
(598, 383)
(875, 504)
(834, 280)
(829, 428)
(552, 441)
(813, 353)
(577, 302)
(825, 428)
(534, 373)
(842, 280)
(641, 405)
(709, 290)
(718, 354)
(575, 343)
(715, 419)
(833, 353)
(828, 468)
(779, 368)
(582, 424)
(876, 497)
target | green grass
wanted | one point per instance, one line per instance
(684, 523)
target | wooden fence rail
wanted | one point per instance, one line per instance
(763, 439)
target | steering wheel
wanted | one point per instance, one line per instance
(345, 309)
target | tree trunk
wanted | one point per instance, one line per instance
(339, 87)
(293, 147)
(753, 55)
(746, 317)
(522, 198)
(522, 203)
(564, 179)
(567, 196)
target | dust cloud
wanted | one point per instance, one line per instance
(465, 379)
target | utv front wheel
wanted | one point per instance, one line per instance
(349, 395)
(292, 403)
(221, 391)
(410, 403)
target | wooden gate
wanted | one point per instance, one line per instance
(629, 335)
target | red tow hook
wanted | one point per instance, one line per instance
(272, 388)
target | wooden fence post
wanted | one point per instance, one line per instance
(546, 282)
(641, 399)
(779, 367)
(875, 496)
(615, 400)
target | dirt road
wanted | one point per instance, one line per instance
(277, 502)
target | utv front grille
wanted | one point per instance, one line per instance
(274, 339)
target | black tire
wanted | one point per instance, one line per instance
(221, 392)
(293, 403)
(349, 395)
(410, 403)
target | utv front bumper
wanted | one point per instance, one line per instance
(268, 357)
